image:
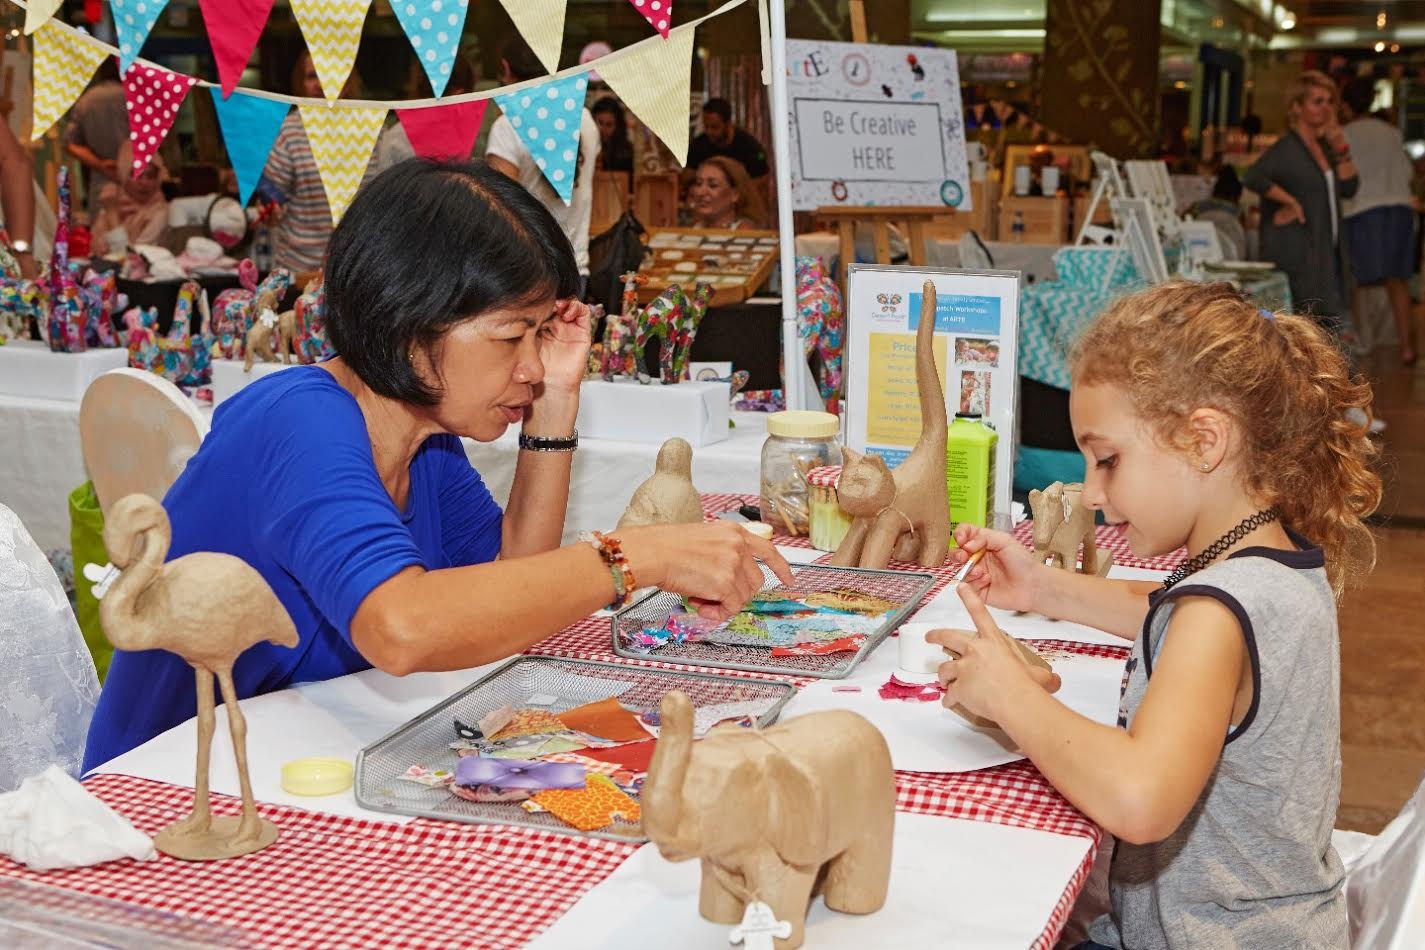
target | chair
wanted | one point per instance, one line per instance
(48, 687)
(1385, 880)
(137, 431)
(655, 199)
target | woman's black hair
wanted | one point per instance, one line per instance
(427, 245)
(617, 152)
(1227, 185)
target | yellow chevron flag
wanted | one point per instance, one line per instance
(541, 23)
(64, 63)
(38, 13)
(332, 29)
(342, 139)
(653, 81)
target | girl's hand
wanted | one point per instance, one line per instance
(564, 346)
(1007, 576)
(714, 565)
(1287, 212)
(989, 668)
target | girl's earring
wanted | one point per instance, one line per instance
(1205, 466)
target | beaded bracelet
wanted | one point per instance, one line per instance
(611, 550)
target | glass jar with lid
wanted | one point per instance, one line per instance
(797, 442)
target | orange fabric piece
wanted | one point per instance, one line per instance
(636, 756)
(530, 722)
(594, 806)
(605, 719)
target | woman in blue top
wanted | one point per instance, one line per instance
(450, 307)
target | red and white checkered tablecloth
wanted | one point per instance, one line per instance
(333, 881)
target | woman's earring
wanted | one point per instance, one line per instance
(1205, 466)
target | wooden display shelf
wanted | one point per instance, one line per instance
(1046, 220)
(735, 262)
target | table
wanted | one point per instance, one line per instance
(343, 877)
(42, 462)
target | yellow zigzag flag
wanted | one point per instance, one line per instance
(342, 139)
(38, 13)
(541, 23)
(64, 62)
(653, 83)
(332, 29)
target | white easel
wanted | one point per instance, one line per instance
(1108, 184)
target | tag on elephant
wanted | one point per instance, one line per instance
(759, 925)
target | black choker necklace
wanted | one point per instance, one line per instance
(1216, 548)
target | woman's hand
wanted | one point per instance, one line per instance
(564, 346)
(1287, 212)
(1007, 576)
(988, 668)
(714, 565)
(1335, 137)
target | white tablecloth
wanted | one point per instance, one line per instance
(41, 462)
(1035, 261)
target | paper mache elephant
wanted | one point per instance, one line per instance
(775, 815)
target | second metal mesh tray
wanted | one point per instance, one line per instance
(559, 684)
(905, 588)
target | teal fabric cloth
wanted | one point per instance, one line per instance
(1035, 468)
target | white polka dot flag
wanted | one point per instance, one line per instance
(444, 132)
(653, 81)
(38, 13)
(433, 27)
(541, 23)
(152, 96)
(133, 21)
(233, 28)
(547, 118)
(64, 63)
(658, 13)
(332, 29)
(342, 139)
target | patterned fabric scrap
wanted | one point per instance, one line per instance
(593, 807)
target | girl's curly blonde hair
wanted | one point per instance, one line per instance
(1182, 346)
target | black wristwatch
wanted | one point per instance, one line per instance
(540, 443)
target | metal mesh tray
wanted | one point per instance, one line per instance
(426, 739)
(906, 588)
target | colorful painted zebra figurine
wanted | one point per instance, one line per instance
(619, 356)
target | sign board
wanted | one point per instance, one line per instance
(875, 125)
(976, 347)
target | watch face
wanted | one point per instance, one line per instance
(20, 247)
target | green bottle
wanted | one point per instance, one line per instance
(970, 470)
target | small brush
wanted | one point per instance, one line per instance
(964, 572)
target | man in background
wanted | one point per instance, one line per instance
(721, 136)
(98, 126)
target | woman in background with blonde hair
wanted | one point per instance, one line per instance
(722, 196)
(1303, 179)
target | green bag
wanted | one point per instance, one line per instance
(86, 538)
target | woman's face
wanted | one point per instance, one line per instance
(311, 84)
(489, 369)
(606, 123)
(712, 197)
(1317, 108)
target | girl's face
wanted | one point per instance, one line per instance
(1149, 490)
(489, 369)
(1317, 108)
(711, 195)
(606, 123)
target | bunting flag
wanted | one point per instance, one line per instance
(332, 29)
(64, 63)
(133, 21)
(434, 28)
(152, 96)
(541, 23)
(250, 125)
(38, 13)
(547, 118)
(662, 106)
(342, 139)
(444, 132)
(233, 28)
(658, 13)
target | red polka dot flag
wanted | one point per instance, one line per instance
(152, 96)
(658, 13)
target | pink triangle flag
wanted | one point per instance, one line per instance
(658, 13)
(152, 96)
(447, 131)
(233, 28)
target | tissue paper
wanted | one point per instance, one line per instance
(51, 822)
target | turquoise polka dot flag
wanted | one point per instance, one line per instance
(133, 20)
(547, 118)
(433, 27)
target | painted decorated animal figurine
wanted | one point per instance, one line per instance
(102, 300)
(23, 304)
(235, 309)
(903, 513)
(668, 495)
(270, 334)
(775, 815)
(311, 344)
(187, 356)
(673, 318)
(1061, 523)
(619, 357)
(207, 608)
(141, 336)
(66, 328)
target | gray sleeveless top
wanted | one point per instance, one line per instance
(1251, 866)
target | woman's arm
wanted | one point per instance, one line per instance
(17, 197)
(1139, 784)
